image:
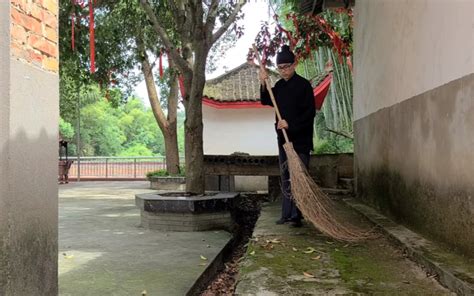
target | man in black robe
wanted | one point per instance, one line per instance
(294, 98)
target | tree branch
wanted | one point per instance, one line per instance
(180, 62)
(175, 12)
(227, 23)
(150, 86)
(211, 16)
(340, 133)
(173, 98)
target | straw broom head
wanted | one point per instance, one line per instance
(315, 205)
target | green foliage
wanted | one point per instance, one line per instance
(333, 144)
(164, 173)
(126, 130)
(66, 129)
(137, 150)
(100, 131)
(139, 127)
(158, 173)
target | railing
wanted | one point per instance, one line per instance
(111, 167)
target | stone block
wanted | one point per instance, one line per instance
(181, 213)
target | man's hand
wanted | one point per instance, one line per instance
(263, 76)
(282, 124)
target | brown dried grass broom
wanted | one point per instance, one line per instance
(315, 205)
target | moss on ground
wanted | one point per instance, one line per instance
(304, 262)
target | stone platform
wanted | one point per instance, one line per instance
(177, 212)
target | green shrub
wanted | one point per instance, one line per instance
(333, 145)
(164, 173)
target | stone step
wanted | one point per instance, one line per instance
(336, 191)
(347, 183)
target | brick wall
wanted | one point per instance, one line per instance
(34, 32)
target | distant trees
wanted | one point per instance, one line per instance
(125, 51)
(126, 130)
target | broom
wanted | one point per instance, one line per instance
(315, 205)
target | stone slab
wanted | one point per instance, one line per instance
(104, 251)
(159, 203)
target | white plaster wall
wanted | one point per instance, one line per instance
(403, 48)
(239, 130)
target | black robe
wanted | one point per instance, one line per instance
(295, 101)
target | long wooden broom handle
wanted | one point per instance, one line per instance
(269, 88)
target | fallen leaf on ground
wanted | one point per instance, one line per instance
(275, 241)
(203, 258)
(267, 246)
(307, 274)
(309, 250)
(317, 257)
(252, 253)
(294, 249)
(345, 246)
(330, 243)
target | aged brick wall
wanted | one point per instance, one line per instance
(34, 32)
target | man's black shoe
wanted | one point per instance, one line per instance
(296, 223)
(281, 221)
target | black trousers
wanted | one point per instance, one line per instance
(289, 209)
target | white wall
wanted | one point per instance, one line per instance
(239, 130)
(431, 42)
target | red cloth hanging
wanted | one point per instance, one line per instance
(321, 90)
(288, 35)
(161, 64)
(181, 85)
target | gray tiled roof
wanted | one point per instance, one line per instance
(238, 85)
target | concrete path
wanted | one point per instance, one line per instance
(300, 261)
(103, 251)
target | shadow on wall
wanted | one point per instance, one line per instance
(29, 215)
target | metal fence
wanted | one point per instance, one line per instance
(111, 167)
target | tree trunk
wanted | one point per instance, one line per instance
(171, 150)
(194, 152)
(167, 125)
(171, 134)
